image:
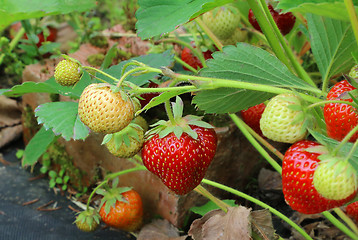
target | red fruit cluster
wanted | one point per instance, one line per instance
(352, 210)
(340, 118)
(284, 21)
(180, 163)
(298, 169)
(188, 57)
(51, 36)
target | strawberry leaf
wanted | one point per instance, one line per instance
(332, 42)
(63, 119)
(37, 146)
(333, 8)
(245, 63)
(170, 14)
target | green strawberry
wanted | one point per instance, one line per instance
(239, 35)
(67, 72)
(126, 143)
(222, 21)
(335, 178)
(88, 220)
(104, 110)
(281, 121)
(353, 73)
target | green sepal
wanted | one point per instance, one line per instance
(111, 196)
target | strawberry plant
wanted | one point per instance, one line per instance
(313, 109)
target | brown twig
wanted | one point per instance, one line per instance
(30, 202)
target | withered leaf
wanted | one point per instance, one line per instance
(235, 224)
(160, 230)
(262, 224)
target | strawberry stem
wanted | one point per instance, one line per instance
(259, 203)
(340, 225)
(101, 72)
(241, 125)
(222, 205)
(210, 34)
(345, 140)
(177, 59)
(129, 72)
(353, 104)
(346, 219)
(109, 177)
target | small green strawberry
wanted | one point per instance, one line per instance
(282, 120)
(239, 35)
(353, 73)
(126, 143)
(104, 109)
(88, 220)
(222, 21)
(335, 178)
(141, 122)
(67, 72)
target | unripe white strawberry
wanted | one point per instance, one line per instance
(222, 21)
(67, 72)
(280, 122)
(335, 179)
(103, 110)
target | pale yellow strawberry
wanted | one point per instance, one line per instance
(103, 110)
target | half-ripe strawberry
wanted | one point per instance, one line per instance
(282, 121)
(222, 21)
(298, 168)
(67, 72)
(180, 152)
(103, 110)
(126, 143)
(252, 116)
(335, 178)
(122, 208)
(352, 210)
(88, 220)
(340, 118)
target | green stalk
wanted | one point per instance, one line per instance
(177, 59)
(352, 17)
(240, 124)
(266, 28)
(345, 140)
(129, 72)
(296, 65)
(346, 219)
(340, 225)
(13, 42)
(222, 205)
(209, 33)
(111, 176)
(259, 203)
(100, 71)
(332, 101)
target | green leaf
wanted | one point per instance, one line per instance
(156, 17)
(330, 8)
(332, 42)
(11, 11)
(111, 54)
(28, 87)
(209, 206)
(245, 63)
(63, 119)
(37, 146)
(155, 60)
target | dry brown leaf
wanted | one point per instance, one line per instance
(10, 120)
(233, 225)
(160, 230)
(269, 180)
(262, 224)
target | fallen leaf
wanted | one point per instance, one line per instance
(262, 224)
(160, 230)
(235, 224)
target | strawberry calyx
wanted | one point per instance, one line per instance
(111, 195)
(178, 124)
(88, 220)
(123, 136)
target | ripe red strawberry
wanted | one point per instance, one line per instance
(122, 209)
(103, 110)
(298, 168)
(192, 60)
(67, 72)
(284, 21)
(352, 210)
(180, 163)
(340, 118)
(252, 116)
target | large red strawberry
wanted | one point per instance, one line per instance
(181, 159)
(298, 169)
(284, 21)
(352, 210)
(252, 116)
(188, 57)
(340, 118)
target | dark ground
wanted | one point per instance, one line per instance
(19, 222)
